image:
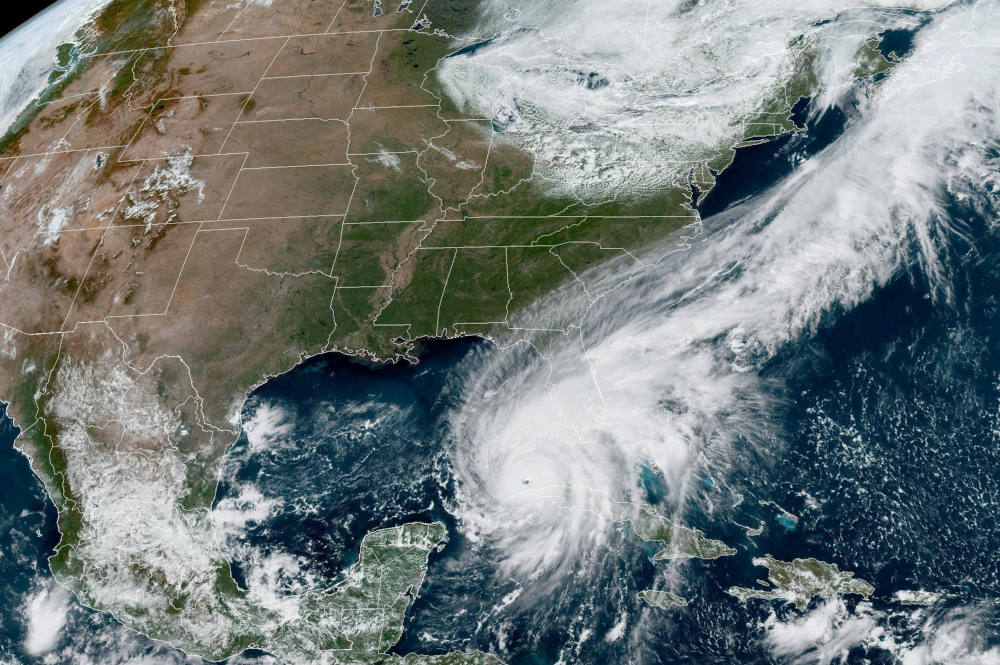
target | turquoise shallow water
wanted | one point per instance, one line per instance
(884, 461)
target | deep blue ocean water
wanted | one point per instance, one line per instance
(27, 525)
(885, 462)
(366, 452)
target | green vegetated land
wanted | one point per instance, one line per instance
(507, 243)
(121, 27)
(800, 580)
(428, 246)
(661, 599)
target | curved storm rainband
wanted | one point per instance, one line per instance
(811, 376)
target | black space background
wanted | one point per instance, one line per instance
(14, 14)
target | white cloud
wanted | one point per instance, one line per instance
(961, 636)
(623, 99)
(827, 632)
(666, 369)
(28, 53)
(268, 423)
(45, 612)
(231, 515)
(822, 635)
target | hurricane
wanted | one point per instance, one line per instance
(803, 373)
(670, 367)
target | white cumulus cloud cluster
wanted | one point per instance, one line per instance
(828, 632)
(45, 611)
